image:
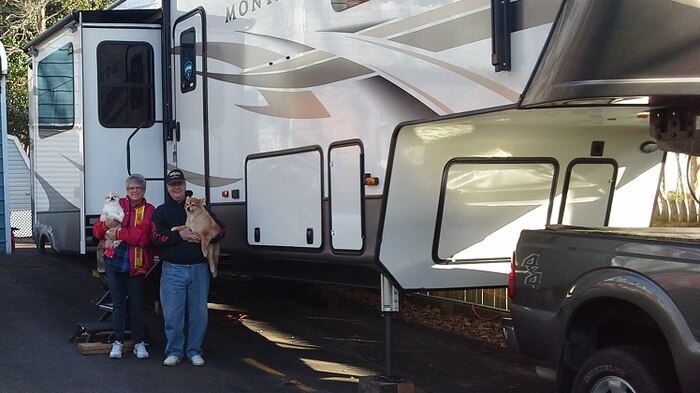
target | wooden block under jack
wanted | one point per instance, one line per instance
(378, 384)
(102, 348)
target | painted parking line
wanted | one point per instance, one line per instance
(270, 370)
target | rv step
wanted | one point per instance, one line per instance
(100, 347)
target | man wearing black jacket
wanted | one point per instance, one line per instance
(184, 283)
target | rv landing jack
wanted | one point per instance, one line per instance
(388, 383)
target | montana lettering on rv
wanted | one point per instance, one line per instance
(243, 7)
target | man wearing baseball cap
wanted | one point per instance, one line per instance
(184, 284)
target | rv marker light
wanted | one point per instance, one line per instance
(371, 181)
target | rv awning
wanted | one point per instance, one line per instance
(600, 51)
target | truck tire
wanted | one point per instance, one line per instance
(625, 369)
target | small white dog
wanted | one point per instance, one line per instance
(111, 210)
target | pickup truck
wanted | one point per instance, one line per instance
(609, 309)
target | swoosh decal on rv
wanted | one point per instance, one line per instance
(499, 89)
(315, 75)
(434, 30)
(425, 18)
(240, 55)
(351, 29)
(475, 26)
(75, 164)
(246, 56)
(48, 133)
(57, 203)
(256, 59)
(290, 105)
(444, 108)
(198, 179)
(304, 60)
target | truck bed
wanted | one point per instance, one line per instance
(682, 234)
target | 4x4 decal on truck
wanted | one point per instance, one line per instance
(533, 276)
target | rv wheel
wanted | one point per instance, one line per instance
(42, 244)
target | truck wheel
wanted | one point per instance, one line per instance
(625, 370)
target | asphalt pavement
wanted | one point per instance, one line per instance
(262, 337)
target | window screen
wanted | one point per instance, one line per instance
(54, 80)
(125, 84)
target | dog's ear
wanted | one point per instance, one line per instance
(204, 201)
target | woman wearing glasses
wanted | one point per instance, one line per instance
(126, 268)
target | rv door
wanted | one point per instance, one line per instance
(189, 145)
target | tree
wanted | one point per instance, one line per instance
(20, 22)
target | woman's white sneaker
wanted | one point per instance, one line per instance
(116, 352)
(140, 350)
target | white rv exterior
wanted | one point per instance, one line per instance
(340, 139)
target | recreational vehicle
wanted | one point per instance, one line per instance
(341, 139)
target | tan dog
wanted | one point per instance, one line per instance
(200, 222)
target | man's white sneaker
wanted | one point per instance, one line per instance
(116, 352)
(171, 361)
(140, 350)
(197, 360)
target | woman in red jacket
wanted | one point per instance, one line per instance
(127, 267)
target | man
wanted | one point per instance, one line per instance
(184, 284)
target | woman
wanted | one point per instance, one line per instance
(127, 267)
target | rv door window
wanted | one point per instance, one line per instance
(188, 61)
(54, 81)
(125, 84)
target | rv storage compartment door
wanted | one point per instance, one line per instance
(283, 194)
(346, 183)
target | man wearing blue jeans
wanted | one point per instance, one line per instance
(184, 282)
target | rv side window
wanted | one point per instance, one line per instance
(342, 5)
(587, 193)
(125, 84)
(485, 203)
(188, 61)
(54, 88)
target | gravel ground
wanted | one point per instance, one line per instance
(472, 322)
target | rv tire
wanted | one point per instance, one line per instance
(42, 244)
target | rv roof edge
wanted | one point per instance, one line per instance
(103, 16)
